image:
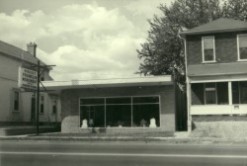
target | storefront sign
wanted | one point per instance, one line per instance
(27, 79)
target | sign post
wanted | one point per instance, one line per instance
(38, 96)
(29, 80)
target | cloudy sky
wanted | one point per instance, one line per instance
(85, 39)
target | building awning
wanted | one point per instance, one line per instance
(104, 83)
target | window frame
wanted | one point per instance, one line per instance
(210, 89)
(214, 51)
(238, 46)
(159, 103)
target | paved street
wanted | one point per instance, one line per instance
(23, 153)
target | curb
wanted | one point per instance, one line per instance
(167, 140)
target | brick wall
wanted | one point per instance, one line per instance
(70, 103)
(225, 45)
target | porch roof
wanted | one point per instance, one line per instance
(102, 83)
(217, 69)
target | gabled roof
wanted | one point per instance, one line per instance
(15, 52)
(217, 26)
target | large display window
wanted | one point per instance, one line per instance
(120, 111)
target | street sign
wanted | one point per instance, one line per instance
(27, 79)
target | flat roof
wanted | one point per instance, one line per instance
(115, 82)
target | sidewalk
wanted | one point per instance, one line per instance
(179, 138)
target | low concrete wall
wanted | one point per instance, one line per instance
(220, 126)
(70, 124)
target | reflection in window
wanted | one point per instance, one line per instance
(120, 111)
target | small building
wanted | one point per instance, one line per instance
(16, 104)
(116, 105)
(216, 68)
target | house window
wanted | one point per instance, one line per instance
(54, 107)
(42, 100)
(239, 92)
(210, 93)
(16, 100)
(242, 47)
(208, 49)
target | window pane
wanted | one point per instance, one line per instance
(210, 97)
(197, 94)
(242, 40)
(243, 46)
(123, 100)
(243, 52)
(41, 108)
(143, 113)
(137, 100)
(243, 92)
(208, 42)
(210, 85)
(95, 115)
(235, 93)
(92, 101)
(222, 92)
(16, 101)
(208, 45)
(208, 54)
(118, 115)
(210, 93)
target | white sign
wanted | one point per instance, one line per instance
(27, 78)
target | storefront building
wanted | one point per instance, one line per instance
(130, 104)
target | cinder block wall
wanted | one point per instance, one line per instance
(70, 103)
(220, 126)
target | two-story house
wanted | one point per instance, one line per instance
(216, 70)
(16, 104)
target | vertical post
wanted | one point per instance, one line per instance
(105, 112)
(38, 96)
(230, 95)
(131, 116)
(189, 122)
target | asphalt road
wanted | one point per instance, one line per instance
(33, 153)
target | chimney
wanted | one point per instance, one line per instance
(31, 48)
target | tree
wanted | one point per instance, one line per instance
(236, 9)
(163, 52)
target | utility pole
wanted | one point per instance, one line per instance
(38, 98)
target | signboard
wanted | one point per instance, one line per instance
(27, 79)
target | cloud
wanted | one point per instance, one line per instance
(83, 41)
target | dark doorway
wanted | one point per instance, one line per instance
(33, 106)
(181, 110)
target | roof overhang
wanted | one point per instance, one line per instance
(105, 83)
